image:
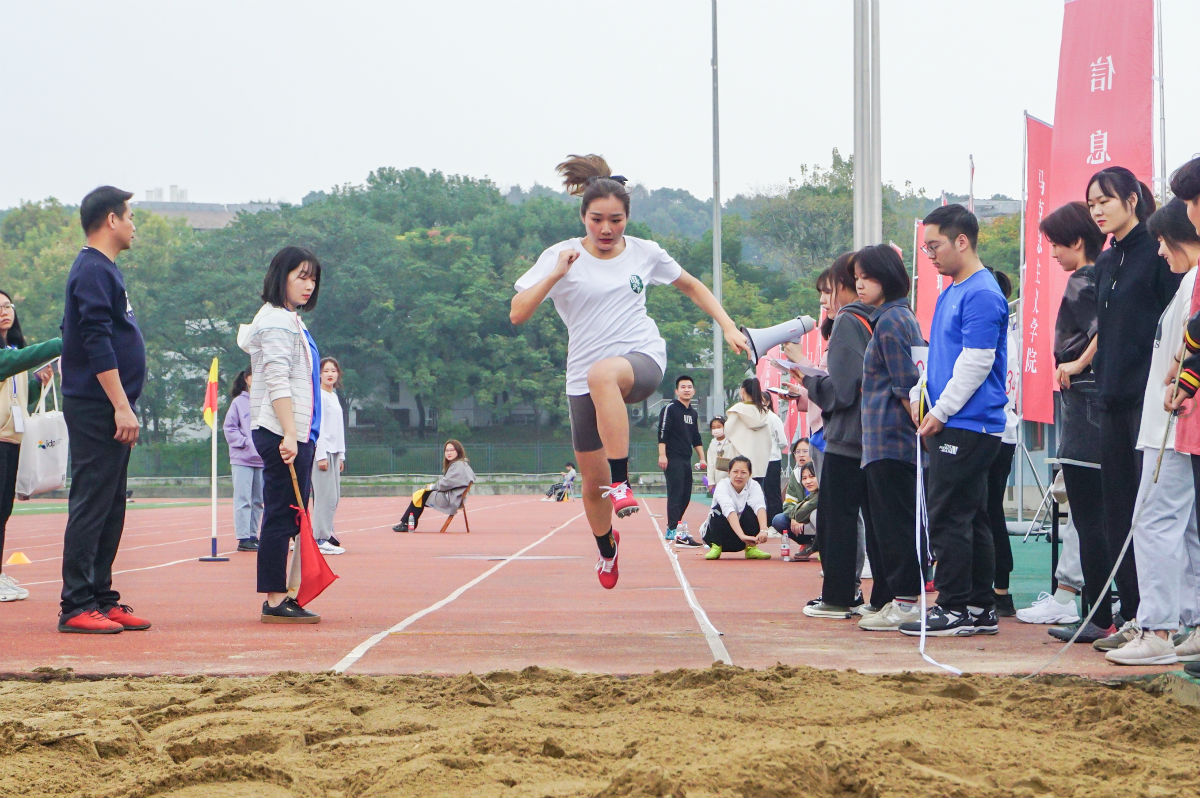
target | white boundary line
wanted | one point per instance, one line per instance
(362, 648)
(711, 634)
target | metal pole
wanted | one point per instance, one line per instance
(875, 197)
(860, 123)
(1021, 294)
(868, 187)
(717, 400)
(1162, 109)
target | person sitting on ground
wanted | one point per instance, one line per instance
(798, 519)
(445, 495)
(738, 521)
(559, 490)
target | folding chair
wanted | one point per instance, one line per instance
(463, 509)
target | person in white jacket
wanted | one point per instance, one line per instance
(329, 459)
(747, 428)
(285, 419)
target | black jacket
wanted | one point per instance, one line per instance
(1134, 285)
(840, 394)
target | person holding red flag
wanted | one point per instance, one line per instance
(285, 418)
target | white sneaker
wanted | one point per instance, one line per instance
(1046, 609)
(1145, 649)
(890, 617)
(328, 548)
(1188, 649)
(10, 590)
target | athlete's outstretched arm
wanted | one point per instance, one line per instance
(527, 301)
(698, 292)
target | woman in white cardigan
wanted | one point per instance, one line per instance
(747, 427)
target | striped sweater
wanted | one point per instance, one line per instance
(282, 367)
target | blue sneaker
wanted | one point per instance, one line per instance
(670, 534)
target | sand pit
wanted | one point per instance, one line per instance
(723, 731)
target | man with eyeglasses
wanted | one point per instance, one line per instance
(960, 416)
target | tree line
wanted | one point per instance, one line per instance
(418, 271)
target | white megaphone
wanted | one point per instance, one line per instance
(762, 340)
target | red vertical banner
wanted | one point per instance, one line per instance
(1041, 288)
(928, 283)
(1104, 108)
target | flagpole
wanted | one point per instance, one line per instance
(1021, 311)
(1162, 108)
(213, 476)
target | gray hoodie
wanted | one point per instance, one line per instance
(840, 394)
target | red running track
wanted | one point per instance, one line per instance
(520, 590)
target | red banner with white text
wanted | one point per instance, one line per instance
(1042, 287)
(927, 281)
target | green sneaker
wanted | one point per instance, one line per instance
(714, 552)
(755, 553)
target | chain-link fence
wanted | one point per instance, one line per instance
(193, 460)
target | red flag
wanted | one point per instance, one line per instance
(929, 283)
(1040, 289)
(315, 573)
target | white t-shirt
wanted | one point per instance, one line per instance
(1011, 381)
(332, 439)
(603, 303)
(1167, 340)
(779, 440)
(726, 500)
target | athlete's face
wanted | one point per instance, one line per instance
(605, 221)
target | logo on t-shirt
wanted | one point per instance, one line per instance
(636, 284)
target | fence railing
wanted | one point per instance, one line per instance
(187, 460)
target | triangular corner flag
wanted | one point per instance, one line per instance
(210, 397)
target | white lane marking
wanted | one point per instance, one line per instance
(711, 634)
(362, 648)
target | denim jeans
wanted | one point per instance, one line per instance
(247, 501)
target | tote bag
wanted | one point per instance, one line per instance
(43, 460)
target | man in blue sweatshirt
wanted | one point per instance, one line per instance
(104, 368)
(961, 418)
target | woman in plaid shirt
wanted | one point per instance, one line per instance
(889, 437)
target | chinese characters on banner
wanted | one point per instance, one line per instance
(927, 281)
(1103, 116)
(1041, 276)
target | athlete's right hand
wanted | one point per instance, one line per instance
(565, 259)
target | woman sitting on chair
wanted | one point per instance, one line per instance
(445, 495)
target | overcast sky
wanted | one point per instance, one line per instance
(253, 100)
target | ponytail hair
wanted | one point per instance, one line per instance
(751, 386)
(239, 384)
(589, 177)
(1119, 182)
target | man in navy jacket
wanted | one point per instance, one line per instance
(104, 368)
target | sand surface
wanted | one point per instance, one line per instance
(724, 731)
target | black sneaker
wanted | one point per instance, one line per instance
(941, 622)
(686, 540)
(1090, 634)
(400, 527)
(1004, 605)
(288, 611)
(1192, 669)
(986, 622)
(248, 544)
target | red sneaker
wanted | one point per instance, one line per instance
(123, 614)
(92, 622)
(929, 588)
(606, 569)
(621, 496)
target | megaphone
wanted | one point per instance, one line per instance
(762, 340)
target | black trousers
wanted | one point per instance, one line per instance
(281, 521)
(958, 521)
(843, 494)
(720, 531)
(997, 482)
(1120, 475)
(95, 506)
(678, 474)
(9, 454)
(772, 489)
(413, 511)
(1085, 492)
(892, 496)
